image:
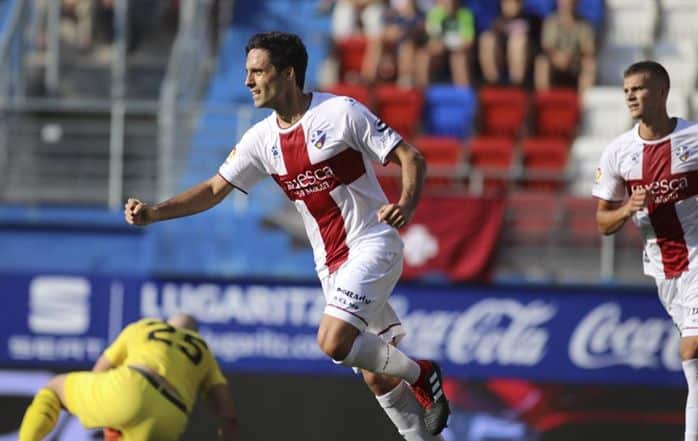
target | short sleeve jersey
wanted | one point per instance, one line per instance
(668, 169)
(323, 164)
(179, 355)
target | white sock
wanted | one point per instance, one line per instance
(405, 412)
(690, 370)
(371, 353)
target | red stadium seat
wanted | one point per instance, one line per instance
(579, 221)
(532, 217)
(544, 161)
(351, 52)
(357, 91)
(444, 157)
(503, 110)
(556, 112)
(492, 156)
(400, 108)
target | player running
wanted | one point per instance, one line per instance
(319, 148)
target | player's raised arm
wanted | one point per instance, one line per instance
(413, 168)
(221, 405)
(199, 198)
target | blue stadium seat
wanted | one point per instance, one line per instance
(449, 110)
(539, 8)
(484, 11)
(592, 11)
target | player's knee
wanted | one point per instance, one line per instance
(334, 344)
(57, 384)
(689, 348)
(54, 383)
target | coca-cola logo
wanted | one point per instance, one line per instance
(492, 331)
(604, 339)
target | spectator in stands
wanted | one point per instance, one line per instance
(451, 31)
(83, 12)
(404, 33)
(506, 42)
(568, 50)
(77, 22)
(105, 23)
(359, 17)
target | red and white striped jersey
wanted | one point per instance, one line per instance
(668, 169)
(323, 164)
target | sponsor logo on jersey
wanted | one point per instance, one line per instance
(310, 181)
(665, 190)
(231, 155)
(317, 138)
(597, 175)
(381, 126)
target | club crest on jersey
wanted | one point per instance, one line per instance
(682, 152)
(597, 175)
(275, 150)
(317, 138)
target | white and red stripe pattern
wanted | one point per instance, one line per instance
(341, 169)
(322, 163)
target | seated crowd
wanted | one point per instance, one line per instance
(421, 42)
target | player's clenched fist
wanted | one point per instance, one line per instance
(638, 200)
(137, 212)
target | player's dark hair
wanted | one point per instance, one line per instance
(285, 49)
(652, 68)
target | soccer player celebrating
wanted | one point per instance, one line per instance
(142, 387)
(656, 164)
(318, 148)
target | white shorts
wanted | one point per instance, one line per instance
(680, 298)
(358, 292)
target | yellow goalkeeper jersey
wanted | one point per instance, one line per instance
(179, 355)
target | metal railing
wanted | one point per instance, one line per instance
(189, 66)
(109, 127)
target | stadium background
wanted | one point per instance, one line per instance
(546, 330)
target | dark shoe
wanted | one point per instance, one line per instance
(430, 394)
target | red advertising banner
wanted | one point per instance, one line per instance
(454, 236)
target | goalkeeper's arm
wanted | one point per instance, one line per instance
(222, 406)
